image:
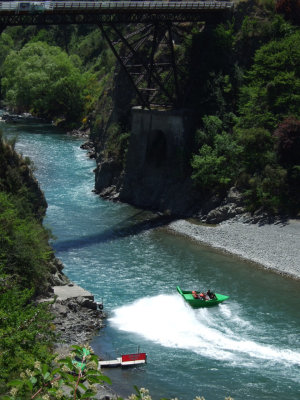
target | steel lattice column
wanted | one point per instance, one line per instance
(147, 56)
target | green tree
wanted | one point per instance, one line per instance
(43, 79)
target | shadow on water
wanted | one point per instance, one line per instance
(118, 231)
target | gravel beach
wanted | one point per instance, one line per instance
(273, 246)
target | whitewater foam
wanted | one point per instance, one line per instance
(169, 321)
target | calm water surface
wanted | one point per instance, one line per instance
(247, 347)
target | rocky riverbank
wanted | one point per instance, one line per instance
(273, 246)
(77, 316)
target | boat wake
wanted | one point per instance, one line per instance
(215, 333)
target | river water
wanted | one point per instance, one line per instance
(247, 348)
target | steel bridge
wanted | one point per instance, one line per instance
(157, 24)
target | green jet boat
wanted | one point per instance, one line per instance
(196, 301)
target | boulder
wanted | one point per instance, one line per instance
(230, 207)
(87, 303)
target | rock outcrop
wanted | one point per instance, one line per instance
(229, 208)
(77, 316)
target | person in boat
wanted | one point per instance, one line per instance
(198, 296)
(202, 296)
(210, 295)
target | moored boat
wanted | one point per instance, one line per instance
(126, 360)
(196, 301)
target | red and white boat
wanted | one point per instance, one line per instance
(126, 360)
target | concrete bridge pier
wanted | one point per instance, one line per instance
(157, 172)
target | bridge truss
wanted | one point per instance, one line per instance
(146, 52)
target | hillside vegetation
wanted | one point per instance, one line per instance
(25, 329)
(255, 145)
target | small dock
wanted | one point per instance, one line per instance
(126, 360)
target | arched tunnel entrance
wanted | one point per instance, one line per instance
(156, 151)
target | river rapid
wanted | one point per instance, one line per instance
(247, 348)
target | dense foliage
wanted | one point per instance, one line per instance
(251, 140)
(25, 328)
(71, 377)
(25, 331)
(272, 89)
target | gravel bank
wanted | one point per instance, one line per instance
(275, 247)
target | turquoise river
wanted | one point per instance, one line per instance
(247, 348)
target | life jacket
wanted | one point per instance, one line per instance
(194, 293)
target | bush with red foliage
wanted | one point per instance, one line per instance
(288, 144)
(290, 9)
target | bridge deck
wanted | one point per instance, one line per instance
(14, 13)
(50, 7)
